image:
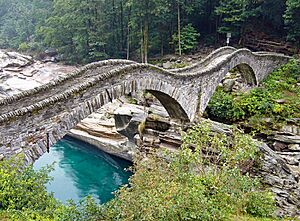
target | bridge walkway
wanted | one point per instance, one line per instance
(67, 84)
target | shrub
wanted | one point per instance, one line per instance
(222, 107)
(24, 197)
(192, 185)
(86, 210)
(24, 47)
(23, 188)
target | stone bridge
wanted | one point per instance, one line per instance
(34, 120)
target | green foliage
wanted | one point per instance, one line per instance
(222, 106)
(18, 20)
(85, 210)
(85, 31)
(271, 12)
(261, 102)
(292, 20)
(24, 197)
(229, 152)
(24, 47)
(192, 186)
(73, 32)
(189, 38)
(23, 188)
(22, 191)
(233, 15)
(237, 15)
(179, 65)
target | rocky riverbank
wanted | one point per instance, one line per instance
(99, 130)
(20, 72)
(151, 129)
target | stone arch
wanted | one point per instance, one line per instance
(211, 82)
(48, 124)
(247, 73)
(177, 97)
(173, 108)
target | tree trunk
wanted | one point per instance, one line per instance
(161, 45)
(128, 34)
(146, 39)
(142, 42)
(217, 33)
(179, 28)
(123, 40)
(241, 40)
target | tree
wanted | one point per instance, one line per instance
(179, 28)
(192, 186)
(18, 20)
(89, 30)
(292, 20)
(232, 16)
(76, 29)
(148, 20)
(271, 12)
(189, 39)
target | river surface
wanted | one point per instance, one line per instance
(81, 170)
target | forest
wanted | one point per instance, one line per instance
(82, 31)
(219, 172)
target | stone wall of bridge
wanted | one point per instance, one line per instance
(33, 121)
(40, 128)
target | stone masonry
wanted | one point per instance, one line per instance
(34, 120)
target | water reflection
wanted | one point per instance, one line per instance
(82, 170)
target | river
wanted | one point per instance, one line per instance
(81, 170)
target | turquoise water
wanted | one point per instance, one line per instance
(81, 170)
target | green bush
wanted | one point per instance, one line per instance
(24, 47)
(24, 197)
(85, 210)
(222, 106)
(23, 188)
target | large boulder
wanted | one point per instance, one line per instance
(14, 60)
(128, 119)
(99, 130)
(167, 65)
(228, 85)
